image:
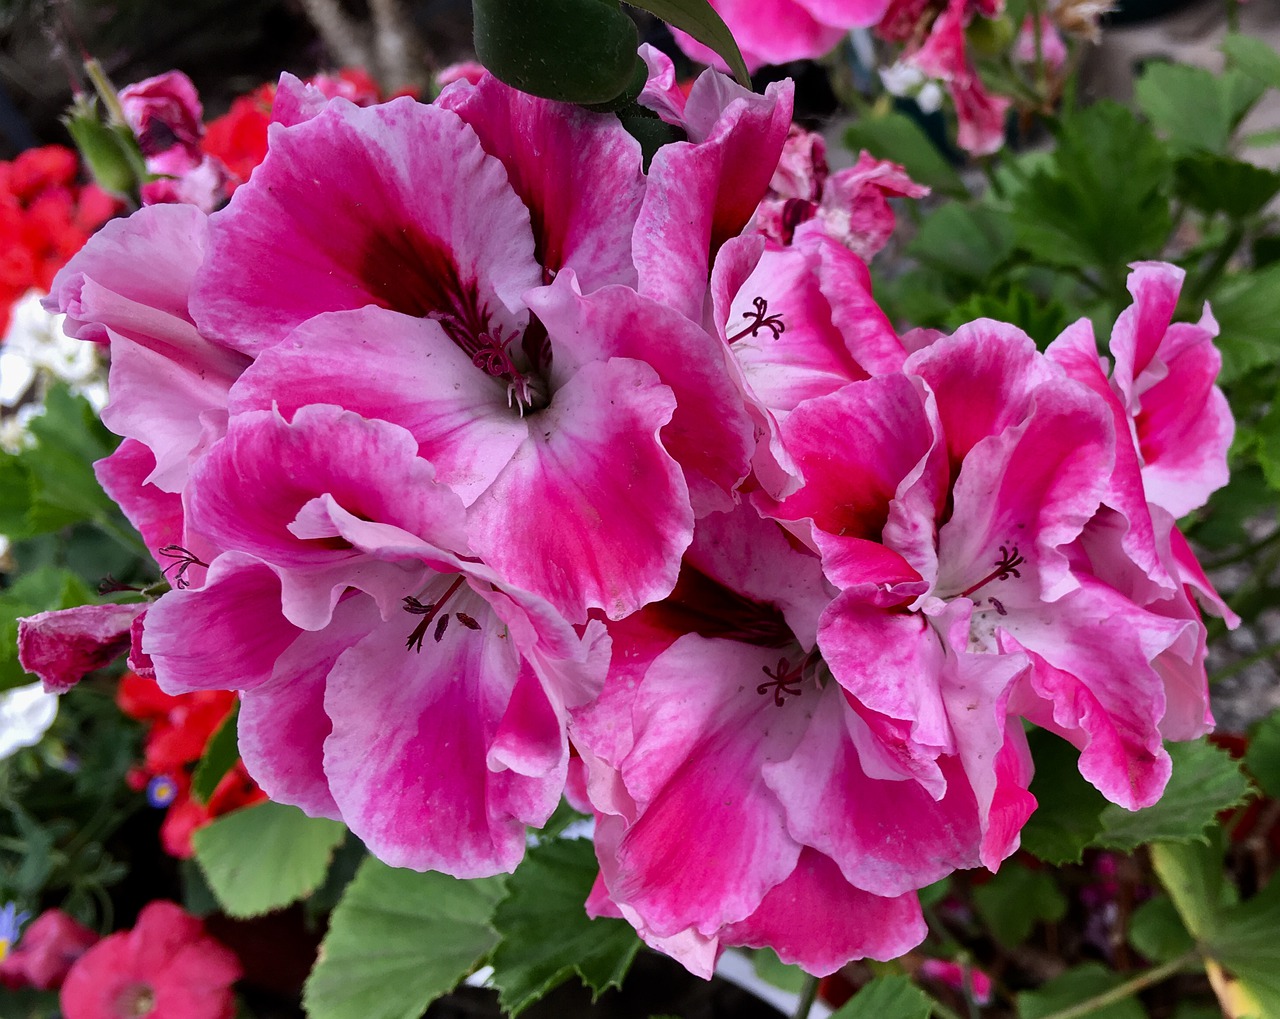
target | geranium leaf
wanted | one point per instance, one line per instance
(1073, 987)
(1263, 756)
(1247, 306)
(1238, 936)
(220, 756)
(1076, 211)
(891, 997)
(1015, 900)
(572, 51)
(547, 894)
(398, 940)
(1254, 57)
(1215, 183)
(1156, 930)
(700, 20)
(265, 856)
(1205, 781)
(1068, 812)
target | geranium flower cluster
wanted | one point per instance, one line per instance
(461, 437)
(179, 729)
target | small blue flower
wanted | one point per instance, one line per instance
(11, 922)
(161, 791)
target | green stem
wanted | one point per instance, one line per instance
(1125, 990)
(942, 1011)
(106, 91)
(1244, 663)
(808, 995)
(1248, 552)
(1204, 283)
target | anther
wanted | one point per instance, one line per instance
(184, 560)
(784, 681)
(999, 607)
(428, 612)
(759, 319)
(467, 621)
(440, 628)
(1006, 567)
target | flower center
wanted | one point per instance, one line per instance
(430, 612)
(1006, 567)
(784, 681)
(135, 1001)
(183, 560)
(760, 319)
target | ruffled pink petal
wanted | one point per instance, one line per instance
(65, 645)
(704, 191)
(156, 514)
(887, 837)
(591, 512)
(408, 760)
(709, 433)
(225, 635)
(1093, 682)
(578, 173)
(710, 839)
(411, 375)
(771, 32)
(130, 286)
(396, 206)
(816, 920)
(855, 211)
(286, 466)
(282, 724)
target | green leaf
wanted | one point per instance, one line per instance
(891, 997)
(572, 51)
(1186, 104)
(1079, 212)
(398, 940)
(1205, 781)
(700, 20)
(1068, 815)
(69, 438)
(220, 756)
(1015, 900)
(773, 970)
(1074, 986)
(547, 894)
(897, 137)
(1156, 930)
(1239, 936)
(1040, 318)
(1263, 756)
(1213, 183)
(1247, 307)
(967, 241)
(265, 856)
(1253, 57)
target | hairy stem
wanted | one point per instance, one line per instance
(1127, 989)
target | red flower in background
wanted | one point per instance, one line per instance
(44, 956)
(45, 218)
(239, 136)
(179, 731)
(165, 968)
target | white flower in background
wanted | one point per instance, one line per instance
(907, 81)
(35, 345)
(26, 712)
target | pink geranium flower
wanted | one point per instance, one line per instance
(778, 31)
(729, 808)
(166, 967)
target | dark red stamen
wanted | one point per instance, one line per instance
(184, 561)
(467, 621)
(760, 320)
(1006, 567)
(999, 607)
(440, 628)
(109, 584)
(784, 681)
(428, 612)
